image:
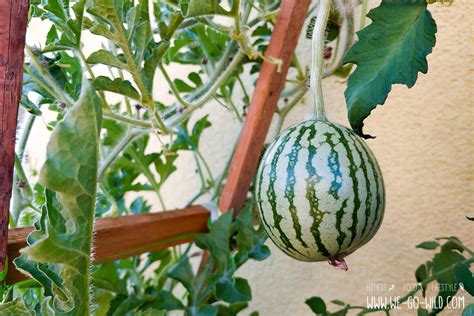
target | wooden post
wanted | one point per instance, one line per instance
(13, 21)
(265, 98)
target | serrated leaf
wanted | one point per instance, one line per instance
(106, 58)
(102, 30)
(183, 273)
(195, 8)
(233, 291)
(391, 50)
(250, 242)
(118, 85)
(217, 240)
(64, 242)
(15, 308)
(430, 245)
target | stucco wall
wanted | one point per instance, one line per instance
(425, 148)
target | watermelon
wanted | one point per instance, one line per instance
(319, 191)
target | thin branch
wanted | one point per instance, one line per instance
(319, 112)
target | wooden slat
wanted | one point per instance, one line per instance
(125, 236)
(13, 20)
(265, 98)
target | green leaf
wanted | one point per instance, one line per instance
(217, 240)
(118, 85)
(107, 277)
(232, 309)
(391, 50)
(3, 273)
(448, 284)
(430, 245)
(250, 242)
(463, 275)
(106, 58)
(104, 31)
(29, 106)
(422, 312)
(168, 301)
(63, 237)
(468, 311)
(190, 141)
(183, 273)
(102, 300)
(338, 302)
(14, 308)
(317, 305)
(423, 272)
(233, 291)
(195, 8)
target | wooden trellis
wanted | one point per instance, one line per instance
(115, 237)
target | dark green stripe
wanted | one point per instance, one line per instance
(334, 167)
(312, 179)
(339, 215)
(291, 181)
(277, 218)
(368, 199)
(376, 171)
(266, 225)
(353, 176)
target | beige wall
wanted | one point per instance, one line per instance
(425, 147)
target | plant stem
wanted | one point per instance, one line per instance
(22, 197)
(150, 176)
(146, 97)
(40, 82)
(173, 87)
(207, 95)
(236, 6)
(46, 76)
(347, 10)
(115, 153)
(319, 112)
(83, 58)
(25, 135)
(126, 119)
(206, 166)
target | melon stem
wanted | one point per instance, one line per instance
(338, 261)
(317, 62)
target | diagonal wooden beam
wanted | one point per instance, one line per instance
(125, 236)
(265, 98)
(13, 21)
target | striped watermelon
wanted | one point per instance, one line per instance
(320, 192)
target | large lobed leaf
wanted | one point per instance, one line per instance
(59, 254)
(391, 50)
